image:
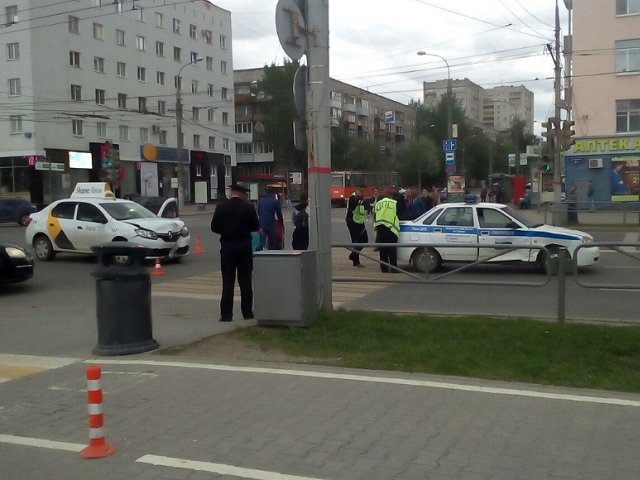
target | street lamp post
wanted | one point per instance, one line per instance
(180, 141)
(449, 90)
(449, 98)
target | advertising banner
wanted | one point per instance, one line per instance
(625, 179)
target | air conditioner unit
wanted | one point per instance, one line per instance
(155, 129)
(595, 163)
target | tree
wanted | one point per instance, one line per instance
(275, 92)
(419, 161)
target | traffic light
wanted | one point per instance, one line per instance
(547, 164)
(566, 134)
(549, 133)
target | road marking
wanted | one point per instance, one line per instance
(16, 366)
(219, 468)
(385, 380)
(40, 443)
(208, 286)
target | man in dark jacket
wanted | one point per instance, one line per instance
(269, 212)
(234, 220)
(356, 209)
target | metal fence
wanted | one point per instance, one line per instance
(557, 263)
(596, 213)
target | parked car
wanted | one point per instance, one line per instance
(474, 224)
(16, 210)
(92, 216)
(16, 263)
(162, 206)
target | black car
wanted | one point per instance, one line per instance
(16, 210)
(16, 263)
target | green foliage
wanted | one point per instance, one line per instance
(276, 93)
(586, 356)
(418, 161)
(354, 153)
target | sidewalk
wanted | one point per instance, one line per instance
(188, 421)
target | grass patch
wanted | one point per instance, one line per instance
(575, 355)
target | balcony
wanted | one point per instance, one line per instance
(349, 107)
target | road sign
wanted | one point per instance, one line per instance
(512, 159)
(449, 158)
(291, 28)
(450, 169)
(449, 145)
(523, 159)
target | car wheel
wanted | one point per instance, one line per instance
(426, 260)
(543, 262)
(43, 248)
(23, 220)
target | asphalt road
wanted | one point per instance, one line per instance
(55, 314)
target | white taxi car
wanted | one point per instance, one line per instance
(92, 216)
(477, 224)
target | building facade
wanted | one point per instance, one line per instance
(80, 74)
(494, 109)
(605, 100)
(363, 114)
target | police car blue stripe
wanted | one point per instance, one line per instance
(491, 232)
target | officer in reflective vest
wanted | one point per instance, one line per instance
(387, 227)
(355, 223)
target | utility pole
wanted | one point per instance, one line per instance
(319, 143)
(557, 177)
(303, 29)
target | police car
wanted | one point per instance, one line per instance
(476, 224)
(92, 216)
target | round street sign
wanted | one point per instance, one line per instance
(291, 28)
(450, 169)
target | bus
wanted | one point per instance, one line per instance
(343, 184)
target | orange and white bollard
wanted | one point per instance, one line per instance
(98, 447)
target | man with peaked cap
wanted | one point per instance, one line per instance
(234, 220)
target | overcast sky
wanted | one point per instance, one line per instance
(374, 43)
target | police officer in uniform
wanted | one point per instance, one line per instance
(355, 223)
(234, 220)
(387, 227)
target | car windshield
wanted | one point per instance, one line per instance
(127, 210)
(515, 214)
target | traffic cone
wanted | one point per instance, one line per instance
(197, 246)
(158, 270)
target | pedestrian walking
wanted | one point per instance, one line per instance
(387, 227)
(572, 206)
(270, 216)
(300, 219)
(234, 220)
(355, 223)
(483, 191)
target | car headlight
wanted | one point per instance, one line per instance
(587, 240)
(147, 234)
(15, 252)
(184, 231)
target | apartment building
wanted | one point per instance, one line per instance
(360, 112)
(605, 61)
(80, 74)
(494, 109)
